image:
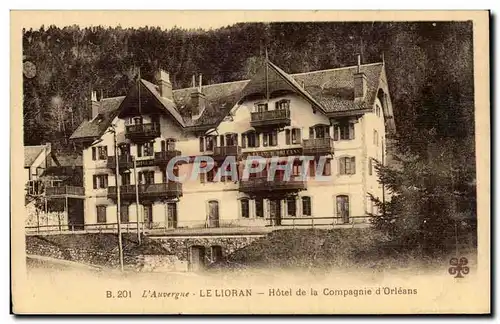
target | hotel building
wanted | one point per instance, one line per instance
(340, 114)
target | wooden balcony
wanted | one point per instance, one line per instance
(162, 158)
(65, 191)
(148, 191)
(142, 132)
(317, 146)
(125, 162)
(271, 118)
(262, 185)
(221, 152)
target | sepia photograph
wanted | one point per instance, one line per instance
(277, 164)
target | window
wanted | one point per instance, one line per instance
(283, 104)
(216, 253)
(292, 136)
(343, 131)
(270, 138)
(306, 206)
(172, 215)
(347, 165)
(146, 177)
(250, 139)
(124, 214)
(261, 107)
(146, 149)
(124, 149)
(259, 207)
(327, 168)
(312, 168)
(291, 206)
(100, 181)
(210, 142)
(231, 139)
(125, 179)
(168, 145)
(137, 120)
(245, 210)
(99, 153)
(101, 214)
(375, 137)
(343, 208)
(370, 166)
(211, 174)
(296, 136)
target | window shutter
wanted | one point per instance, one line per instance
(287, 136)
(298, 136)
(257, 139)
(235, 139)
(105, 181)
(370, 166)
(94, 154)
(266, 138)
(94, 178)
(274, 140)
(353, 165)
(105, 150)
(221, 140)
(351, 131)
(311, 132)
(277, 105)
(342, 162)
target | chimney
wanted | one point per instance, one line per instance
(198, 101)
(163, 83)
(95, 104)
(359, 83)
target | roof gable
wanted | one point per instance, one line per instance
(31, 153)
(332, 91)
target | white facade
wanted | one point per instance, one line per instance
(199, 198)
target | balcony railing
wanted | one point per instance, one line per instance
(221, 152)
(124, 162)
(262, 184)
(164, 157)
(144, 132)
(276, 118)
(65, 191)
(152, 191)
(318, 146)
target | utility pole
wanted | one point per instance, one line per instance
(118, 201)
(137, 201)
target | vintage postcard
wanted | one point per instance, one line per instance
(259, 162)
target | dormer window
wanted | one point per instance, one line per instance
(137, 120)
(283, 104)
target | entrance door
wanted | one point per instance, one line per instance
(275, 211)
(196, 258)
(213, 213)
(148, 215)
(343, 208)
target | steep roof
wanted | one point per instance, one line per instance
(97, 126)
(331, 90)
(334, 88)
(31, 153)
